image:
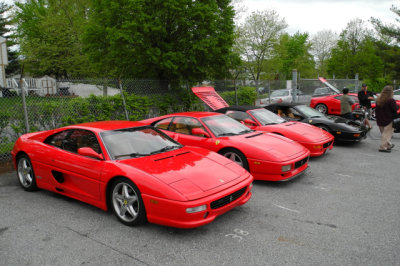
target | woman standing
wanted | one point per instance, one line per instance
(385, 110)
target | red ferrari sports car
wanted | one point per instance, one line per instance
(135, 170)
(267, 156)
(330, 104)
(316, 140)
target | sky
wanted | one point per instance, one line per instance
(316, 15)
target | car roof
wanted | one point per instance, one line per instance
(242, 108)
(107, 125)
(273, 107)
(194, 114)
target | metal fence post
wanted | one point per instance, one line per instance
(24, 105)
(294, 85)
(123, 99)
(236, 96)
(356, 83)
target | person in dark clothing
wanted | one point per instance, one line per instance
(386, 109)
(345, 105)
(365, 97)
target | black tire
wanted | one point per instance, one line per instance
(26, 175)
(126, 202)
(322, 108)
(236, 156)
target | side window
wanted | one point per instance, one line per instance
(239, 116)
(338, 97)
(72, 140)
(184, 125)
(85, 139)
(58, 139)
(163, 124)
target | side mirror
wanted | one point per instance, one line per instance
(249, 122)
(200, 132)
(89, 152)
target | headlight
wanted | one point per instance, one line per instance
(286, 168)
(196, 209)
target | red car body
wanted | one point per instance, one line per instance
(267, 156)
(316, 140)
(330, 104)
(170, 183)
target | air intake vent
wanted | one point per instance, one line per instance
(252, 136)
(227, 199)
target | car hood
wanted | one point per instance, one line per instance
(189, 172)
(341, 122)
(299, 131)
(273, 147)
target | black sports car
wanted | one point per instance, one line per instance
(341, 128)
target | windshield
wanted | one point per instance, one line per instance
(309, 112)
(136, 142)
(266, 117)
(280, 93)
(222, 125)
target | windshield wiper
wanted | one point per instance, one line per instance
(132, 155)
(316, 116)
(245, 131)
(227, 134)
(166, 148)
(266, 124)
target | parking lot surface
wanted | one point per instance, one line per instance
(343, 211)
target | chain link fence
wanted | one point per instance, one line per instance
(47, 103)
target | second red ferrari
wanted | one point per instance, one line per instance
(267, 156)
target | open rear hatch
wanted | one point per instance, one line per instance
(210, 97)
(329, 85)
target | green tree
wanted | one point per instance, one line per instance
(13, 62)
(162, 39)
(257, 39)
(389, 45)
(293, 52)
(356, 53)
(322, 44)
(49, 32)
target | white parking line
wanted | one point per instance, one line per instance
(321, 187)
(343, 175)
(279, 206)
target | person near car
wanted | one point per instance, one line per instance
(385, 111)
(345, 105)
(365, 97)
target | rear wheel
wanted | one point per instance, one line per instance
(235, 156)
(127, 203)
(322, 108)
(25, 173)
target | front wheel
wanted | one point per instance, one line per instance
(25, 173)
(235, 156)
(323, 127)
(127, 203)
(322, 108)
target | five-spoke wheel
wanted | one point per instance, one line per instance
(322, 108)
(127, 202)
(235, 156)
(25, 173)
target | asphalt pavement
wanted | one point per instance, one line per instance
(343, 211)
